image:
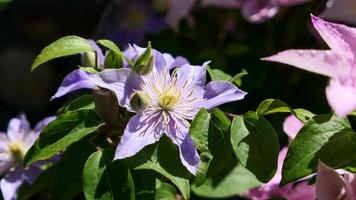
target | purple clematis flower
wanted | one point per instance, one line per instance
(169, 100)
(255, 11)
(338, 63)
(299, 191)
(13, 146)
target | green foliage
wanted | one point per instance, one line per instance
(61, 133)
(165, 191)
(255, 144)
(233, 181)
(273, 106)
(84, 102)
(106, 180)
(217, 74)
(317, 139)
(65, 46)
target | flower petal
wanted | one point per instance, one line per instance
(142, 130)
(10, 183)
(342, 98)
(259, 11)
(78, 79)
(178, 132)
(179, 9)
(18, 128)
(291, 2)
(302, 191)
(30, 174)
(340, 38)
(122, 82)
(291, 126)
(220, 92)
(318, 61)
(329, 184)
(194, 73)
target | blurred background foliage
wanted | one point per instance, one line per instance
(219, 35)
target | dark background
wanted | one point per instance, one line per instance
(223, 36)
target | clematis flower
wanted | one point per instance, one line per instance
(333, 8)
(338, 63)
(299, 191)
(331, 184)
(255, 11)
(164, 102)
(13, 146)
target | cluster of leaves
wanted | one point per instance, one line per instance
(238, 152)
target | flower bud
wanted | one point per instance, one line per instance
(138, 102)
(113, 60)
(89, 59)
(144, 69)
(106, 105)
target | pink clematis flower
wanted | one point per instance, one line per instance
(331, 184)
(338, 63)
(300, 191)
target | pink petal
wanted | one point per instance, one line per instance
(302, 191)
(340, 38)
(318, 61)
(291, 126)
(341, 97)
(329, 184)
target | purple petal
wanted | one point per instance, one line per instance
(259, 11)
(30, 174)
(174, 62)
(10, 183)
(179, 9)
(196, 74)
(340, 38)
(329, 184)
(122, 82)
(291, 2)
(18, 128)
(220, 92)
(178, 132)
(222, 3)
(41, 124)
(291, 126)
(142, 130)
(341, 97)
(78, 79)
(350, 180)
(322, 62)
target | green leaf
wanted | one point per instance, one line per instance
(64, 46)
(113, 60)
(106, 180)
(62, 132)
(272, 106)
(218, 75)
(112, 46)
(255, 143)
(144, 57)
(85, 102)
(145, 184)
(303, 152)
(165, 161)
(232, 182)
(199, 132)
(237, 79)
(68, 180)
(165, 191)
(219, 142)
(89, 69)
